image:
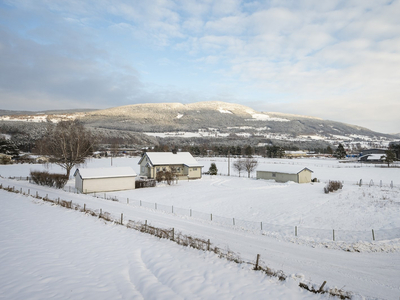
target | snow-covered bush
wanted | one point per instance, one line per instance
(333, 186)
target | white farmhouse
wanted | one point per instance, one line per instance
(183, 162)
(93, 180)
(286, 173)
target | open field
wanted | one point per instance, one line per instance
(285, 204)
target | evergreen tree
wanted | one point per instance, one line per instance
(248, 151)
(340, 153)
(213, 169)
(389, 157)
(9, 148)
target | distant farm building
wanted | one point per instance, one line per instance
(183, 164)
(287, 173)
(93, 180)
(372, 158)
(295, 154)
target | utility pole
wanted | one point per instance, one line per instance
(229, 163)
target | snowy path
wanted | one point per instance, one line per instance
(369, 274)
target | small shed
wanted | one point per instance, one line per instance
(287, 173)
(93, 180)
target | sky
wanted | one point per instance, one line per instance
(337, 60)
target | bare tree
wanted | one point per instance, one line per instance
(67, 144)
(238, 165)
(250, 164)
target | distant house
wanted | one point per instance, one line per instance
(286, 173)
(183, 163)
(93, 180)
(295, 154)
(372, 158)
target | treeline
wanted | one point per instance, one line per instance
(247, 150)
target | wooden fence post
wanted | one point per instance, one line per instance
(333, 234)
(190, 212)
(84, 207)
(140, 202)
(211, 216)
(173, 234)
(155, 205)
(233, 221)
(322, 286)
(101, 211)
(172, 209)
(261, 225)
(295, 230)
(145, 226)
(127, 200)
(373, 235)
(257, 261)
(122, 219)
(208, 245)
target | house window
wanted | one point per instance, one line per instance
(142, 169)
(178, 169)
(158, 169)
(164, 169)
(273, 174)
(194, 169)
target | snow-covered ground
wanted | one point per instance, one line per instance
(281, 205)
(52, 253)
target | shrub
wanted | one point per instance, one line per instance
(332, 186)
(160, 176)
(168, 177)
(213, 170)
(45, 178)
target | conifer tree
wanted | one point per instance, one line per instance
(213, 169)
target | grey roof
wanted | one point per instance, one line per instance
(91, 173)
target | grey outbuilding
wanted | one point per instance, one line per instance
(94, 180)
(286, 173)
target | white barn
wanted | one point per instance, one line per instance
(286, 173)
(93, 180)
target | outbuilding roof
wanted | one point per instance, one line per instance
(91, 173)
(169, 158)
(286, 169)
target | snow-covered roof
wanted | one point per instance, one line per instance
(286, 169)
(373, 156)
(169, 158)
(91, 173)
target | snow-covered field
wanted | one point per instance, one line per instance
(283, 205)
(52, 253)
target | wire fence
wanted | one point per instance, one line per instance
(265, 228)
